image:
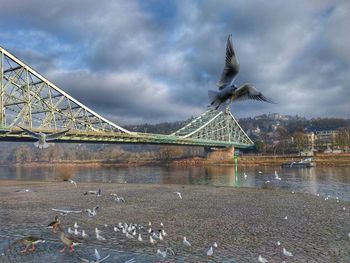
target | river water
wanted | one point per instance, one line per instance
(332, 181)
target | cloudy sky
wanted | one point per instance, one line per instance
(153, 61)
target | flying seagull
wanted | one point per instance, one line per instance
(43, 137)
(229, 92)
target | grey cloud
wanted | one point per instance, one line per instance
(116, 57)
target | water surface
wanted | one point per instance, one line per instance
(333, 181)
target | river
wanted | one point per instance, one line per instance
(332, 181)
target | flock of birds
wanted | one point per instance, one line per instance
(139, 233)
(76, 235)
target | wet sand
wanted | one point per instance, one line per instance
(245, 223)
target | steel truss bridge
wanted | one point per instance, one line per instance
(28, 99)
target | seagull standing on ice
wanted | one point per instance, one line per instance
(276, 176)
(229, 92)
(287, 253)
(186, 243)
(73, 182)
(262, 260)
(210, 252)
(179, 194)
(83, 234)
(92, 212)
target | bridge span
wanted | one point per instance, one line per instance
(30, 100)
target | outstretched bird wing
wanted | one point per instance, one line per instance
(31, 133)
(56, 135)
(231, 68)
(248, 92)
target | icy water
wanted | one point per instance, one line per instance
(333, 181)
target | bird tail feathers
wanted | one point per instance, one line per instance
(212, 97)
(41, 146)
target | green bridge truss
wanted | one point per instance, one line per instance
(29, 100)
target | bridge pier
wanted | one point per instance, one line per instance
(219, 154)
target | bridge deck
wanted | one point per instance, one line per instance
(75, 136)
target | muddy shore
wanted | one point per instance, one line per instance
(245, 223)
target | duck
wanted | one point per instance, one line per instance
(54, 224)
(67, 240)
(27, 241)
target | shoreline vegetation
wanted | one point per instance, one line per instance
(341, 159)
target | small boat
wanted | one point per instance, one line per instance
(305, 163)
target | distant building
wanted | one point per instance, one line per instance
(324, 138)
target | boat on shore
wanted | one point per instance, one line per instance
(305, 163)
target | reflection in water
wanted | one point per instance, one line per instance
(334, 181)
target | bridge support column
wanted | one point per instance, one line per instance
(220, 154)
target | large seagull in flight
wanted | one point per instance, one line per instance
(229, 92)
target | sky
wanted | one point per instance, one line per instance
(140, 61)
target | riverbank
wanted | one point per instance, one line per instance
(245, 223)
(342, 159)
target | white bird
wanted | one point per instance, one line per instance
(149, 230)
(278, 243)
(151, 240)
(97, 259)
(161, 253)
(164, 233)
(76, 225)
(160, 236)
(186, 243)
(245, 175)
(287, 253)
(73, 182)
(43, 137)
(179, 194)
(70, 231)
(94, 192)
(349, 235)
(155, 235)
(116, 229)
(215, 245)
(343, 208)
(99, 237)
(140, 238)
(76, 232)
(83, 234)
(92, 212)
(262, 260)
(130, 261)
(161, 224)
(128, 235)
(228, 92)
(65, 212)
(210, 251)
(276, 176)
(149, 223)
(260, 172)
(286, 217)
(97, 231)
(164, 253)
(119, 199)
